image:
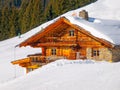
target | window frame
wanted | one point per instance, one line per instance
(53, 51)
(95, 52)
(72, 33)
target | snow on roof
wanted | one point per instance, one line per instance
(105, 29)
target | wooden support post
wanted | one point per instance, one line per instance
(27, 70)
(43, 51)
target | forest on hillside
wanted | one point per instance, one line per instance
(20, 16)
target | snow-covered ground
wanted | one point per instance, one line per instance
(63, 75)
(104, 9)
(70, 75)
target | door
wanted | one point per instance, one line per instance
(66, 52)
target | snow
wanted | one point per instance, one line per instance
(70, 75)
(104, 9)
(10, 53)
(104, 22)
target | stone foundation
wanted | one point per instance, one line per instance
(116, 54)
(105, 54)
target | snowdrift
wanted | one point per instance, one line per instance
(70, 75)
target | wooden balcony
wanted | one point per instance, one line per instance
(39, 59)
(35, 61)
(44, 59)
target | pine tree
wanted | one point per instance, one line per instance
(37, 15)
(20, 18)
(13, 22)
(49, 13)
(5, 21)
(26, 20)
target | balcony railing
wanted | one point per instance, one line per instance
(44, 59)
(40, 59)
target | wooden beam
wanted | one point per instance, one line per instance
(55, 44)
(35, 66)
(24, 60)
(24, 64)
(43, 51)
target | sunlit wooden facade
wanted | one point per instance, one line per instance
(62, 39)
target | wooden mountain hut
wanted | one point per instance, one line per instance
(63, 39)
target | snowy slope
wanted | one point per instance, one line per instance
(102, 9)
(70, 75)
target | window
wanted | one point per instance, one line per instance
(53, 51)
(95, 52)
(71, 33)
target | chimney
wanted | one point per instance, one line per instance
(84, 14)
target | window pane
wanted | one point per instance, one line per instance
(53, 51)
(71, 33)
(96, 52)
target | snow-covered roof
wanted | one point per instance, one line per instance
(105, 29)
